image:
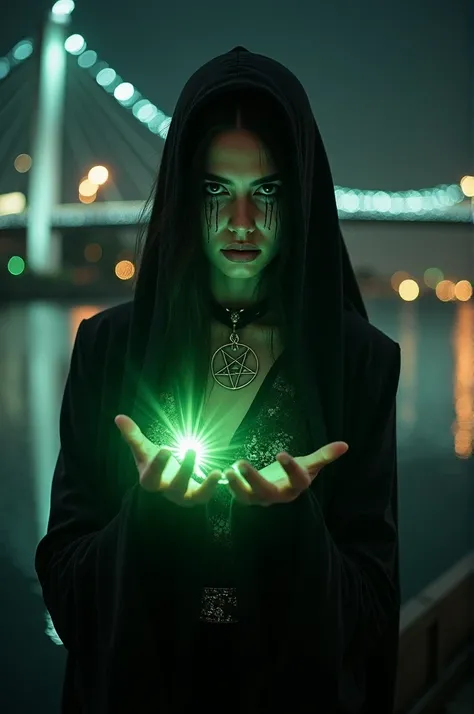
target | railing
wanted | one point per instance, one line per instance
(436, 641)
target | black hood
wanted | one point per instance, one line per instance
(326, 285)
(324, 244)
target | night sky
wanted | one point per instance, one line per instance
(390, 83)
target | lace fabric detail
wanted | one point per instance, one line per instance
(219, 605)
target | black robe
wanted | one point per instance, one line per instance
(318, 579)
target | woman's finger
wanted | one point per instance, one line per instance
(142, 449)
(238, 487)
(263, 490)
(153, 474)
(180, 482)
(297, 475)
(325, 455)
(207, 488)
(245, 494)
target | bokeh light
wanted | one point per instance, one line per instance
(87, 188)
(23, 50)
(409, 290)
(87, 59)
(106, 76)
(467, 186)
(4, 67)
(463, 290)
(16, 265)
(87, 199)
(75, 44)
(124, 270)
(145, 112)
(445, 290)
(11, 203)
(63, 7)
(397, 279)
(433, 276)
(93, 252)
(23, 163)
(124, 91)
(98, 175)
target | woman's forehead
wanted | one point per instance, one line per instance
(239, 150)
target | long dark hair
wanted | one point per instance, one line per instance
(183, 265)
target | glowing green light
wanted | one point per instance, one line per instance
(124, 92)
(138, 106)
(106, 76)
(186, 443)
(16, 265)
(63, 7)
(4, 67)
(147, 112)
(75, 44)
(23, 50)
(87, 59)
(187, 431)
(433, 276)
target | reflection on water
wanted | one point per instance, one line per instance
(463, 346)
(435, 425)
(408, 343)
(442, 357)
(47, 352)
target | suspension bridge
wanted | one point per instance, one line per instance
(83, 114)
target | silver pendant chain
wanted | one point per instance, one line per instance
(234, 365)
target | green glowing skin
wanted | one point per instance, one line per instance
(239, 207)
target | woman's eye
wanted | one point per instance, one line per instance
(267, 190)
(273, 189)
(209, 186)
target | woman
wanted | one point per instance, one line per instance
(174, 583)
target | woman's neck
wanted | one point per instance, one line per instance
(235, 293)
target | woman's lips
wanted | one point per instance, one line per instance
(241, 256)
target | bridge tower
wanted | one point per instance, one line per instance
(44, 244)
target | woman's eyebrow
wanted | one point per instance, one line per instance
(228, 182)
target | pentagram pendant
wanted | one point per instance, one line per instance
(234, 365)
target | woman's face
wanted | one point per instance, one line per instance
(240, 210)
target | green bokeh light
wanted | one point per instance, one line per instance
(4, 67)
(106, 76)
(16, 265)
(87, 59)
(63, 7)
(23, 50)
(432, 277)
(75, 44)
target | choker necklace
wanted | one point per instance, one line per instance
(235, 365)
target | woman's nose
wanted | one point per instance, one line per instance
(242, 217)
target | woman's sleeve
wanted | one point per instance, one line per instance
(339, 579)
(97, 561)
(351, 562)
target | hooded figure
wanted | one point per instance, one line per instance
(291, 607)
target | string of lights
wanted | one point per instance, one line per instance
(86, 140)
(16, 56)
(115, 133)
(430, 204)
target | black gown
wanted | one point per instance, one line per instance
(310, 619)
